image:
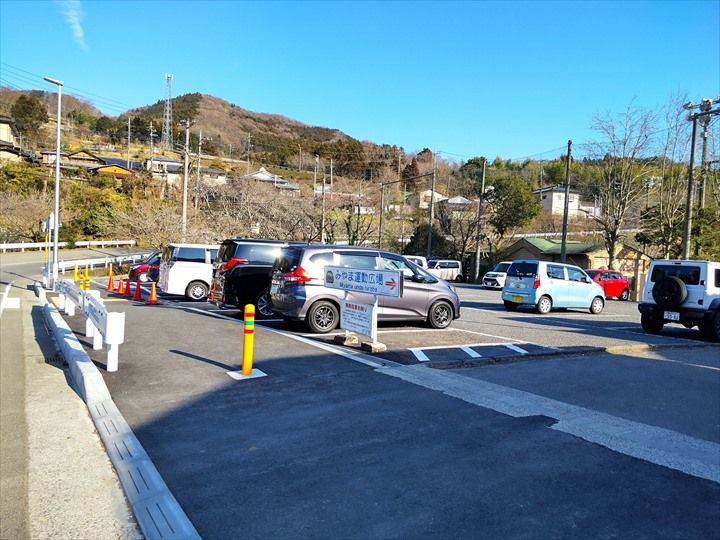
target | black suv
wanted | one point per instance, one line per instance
(242, 272)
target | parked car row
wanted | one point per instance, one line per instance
(286, 279)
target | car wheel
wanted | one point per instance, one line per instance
(670, 291)
(322, 317)
(510, 306)
(650, 324)
(711, 329)
(459, 278)
(440, 315)
(597, 305)
(263, 304)
(196, 291)
(544, 305)
(625, 295)
(143, 277)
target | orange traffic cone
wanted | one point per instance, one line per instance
(138, 291)
(111, 282)
(152, 299)
(121, 287)
(126, 294)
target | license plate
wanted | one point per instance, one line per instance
(517, 299)
(671, 316)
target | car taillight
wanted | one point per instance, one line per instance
(298, 276)
(225, 267)
(536, 283)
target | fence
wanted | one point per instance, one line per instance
(22, 246)
(99, 322)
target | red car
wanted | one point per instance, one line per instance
(147, 269)
(613, 282)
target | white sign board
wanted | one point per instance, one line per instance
(375, 282)
(357, 317)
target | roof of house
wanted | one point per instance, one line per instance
(554, 247)
(11, 122)
(459, 200)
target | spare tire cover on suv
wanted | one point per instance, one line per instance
(670, 291)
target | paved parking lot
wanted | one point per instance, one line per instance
(356, 445)
(335, 443)
(487, 333)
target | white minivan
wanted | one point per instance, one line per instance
(187, 269)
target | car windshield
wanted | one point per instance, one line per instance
(592, 273)
(501, 267)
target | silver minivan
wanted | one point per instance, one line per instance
(298, 292)
(546, 285)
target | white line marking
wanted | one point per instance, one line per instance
(350, 355)
(517, 349)
(417, 351)
(661, 446)
(10, 303)
(470, 352)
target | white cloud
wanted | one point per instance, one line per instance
(72, 10)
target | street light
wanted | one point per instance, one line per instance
(57, 183)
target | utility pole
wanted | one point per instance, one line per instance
(249, 142)
(322, 216)
(432, 210)
(128, 153)
(701, 190)
(563, 246)
(331, 179)
(706, 111)
(186, 125)
(478, 235)
(152, 150)
(197, 180)
(382, 211)
(317, 159)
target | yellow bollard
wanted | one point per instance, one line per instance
(75, 274)
(87, 278)
(248, 339)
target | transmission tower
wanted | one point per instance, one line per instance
(167, 133)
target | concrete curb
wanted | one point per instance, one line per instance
(156, 510)
(554, 353)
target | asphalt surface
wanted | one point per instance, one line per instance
(591, 445)
(325, 446)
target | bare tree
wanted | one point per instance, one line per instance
(21, 216)
(662, 222)
(621, 153)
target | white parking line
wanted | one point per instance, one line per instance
(519, 349)
(471, 353)
(419, 354)
(650, 443)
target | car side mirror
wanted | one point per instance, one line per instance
(417, 278)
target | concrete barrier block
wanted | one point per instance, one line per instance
(162, 517)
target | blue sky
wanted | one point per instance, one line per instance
(513, 79)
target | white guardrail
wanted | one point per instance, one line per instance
(99, 322)
(104, 262)
(22, 246)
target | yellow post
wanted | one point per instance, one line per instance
(75, 274)
(87, 277)
(248, 339)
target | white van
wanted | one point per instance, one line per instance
(419, 260)
(447, 269)
(186, 269)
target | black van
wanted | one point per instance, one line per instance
(242, 272)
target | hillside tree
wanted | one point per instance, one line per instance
(623, 170)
